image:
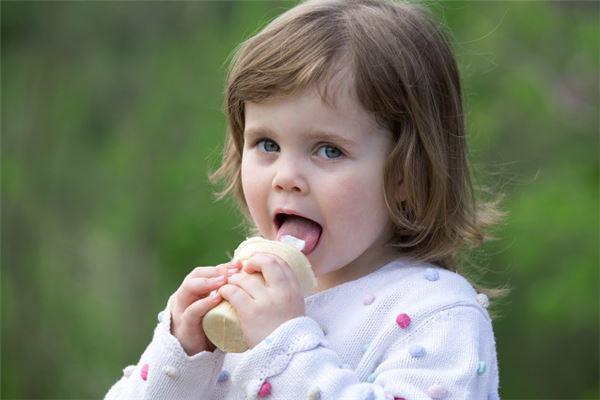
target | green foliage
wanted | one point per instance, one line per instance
(112, 118)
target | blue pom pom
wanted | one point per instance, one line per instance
(493, 396)
(481, 368)
(223, 376)
(431, 274)
(416, 351)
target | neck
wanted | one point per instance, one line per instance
(369, 261)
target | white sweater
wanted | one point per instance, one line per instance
(407, 330)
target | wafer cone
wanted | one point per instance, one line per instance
(221, 324)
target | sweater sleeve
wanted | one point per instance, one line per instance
(165, 371)
(443, 355)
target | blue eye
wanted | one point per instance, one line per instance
(330, 151)
(267, 145)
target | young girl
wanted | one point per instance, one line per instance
(345, 130)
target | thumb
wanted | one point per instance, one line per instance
(250, 267)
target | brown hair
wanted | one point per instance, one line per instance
(405, 74)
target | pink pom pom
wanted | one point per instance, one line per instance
(437, 392)
(265, 389)
(403, 321)
(144, 372)
(368, 299)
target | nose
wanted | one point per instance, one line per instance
(289, 178)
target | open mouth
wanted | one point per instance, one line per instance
(300, 227)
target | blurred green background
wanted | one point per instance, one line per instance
(111, 118)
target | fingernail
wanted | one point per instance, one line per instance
(218, 278)
(214, 295)
(232, 271)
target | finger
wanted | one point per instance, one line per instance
(194, 288)
(205, 272)
(271, 266)
(194, 313)
(286, 269)
(208, 272)
(253, 283)
(289, 277)
(190, 289)
(236, 296)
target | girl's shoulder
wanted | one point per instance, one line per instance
(401, 286)
(412, 296)
(424, 288)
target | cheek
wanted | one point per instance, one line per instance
(359, 199)
(351, 189)
(255, 193)
(245, 177)
(249, 185)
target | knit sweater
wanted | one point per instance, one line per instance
(406, 331)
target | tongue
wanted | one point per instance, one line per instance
(303, 229)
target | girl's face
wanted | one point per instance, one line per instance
(326, 164)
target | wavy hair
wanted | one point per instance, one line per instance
(405, 74)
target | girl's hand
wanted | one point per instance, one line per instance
(191, 302)
(264, 295)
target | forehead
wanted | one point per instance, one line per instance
(329, 106)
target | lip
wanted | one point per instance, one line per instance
(289, 212)
(293, 212)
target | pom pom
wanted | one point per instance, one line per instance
(416, 351)
(372, 377)
(403, 320)
(481, 367)
(127, 371)
(437, 392)
(223, 376)
(144, 372)
(171, 372)
(483, 300)
(265, 390)
(314, 393)
(431, 274)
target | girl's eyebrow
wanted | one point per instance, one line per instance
(316, 134)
